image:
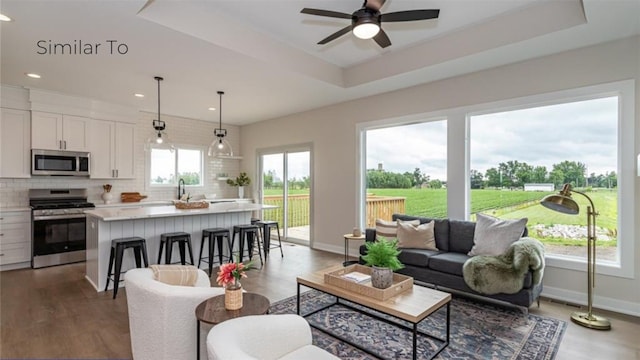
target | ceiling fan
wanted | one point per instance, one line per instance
(365, 22)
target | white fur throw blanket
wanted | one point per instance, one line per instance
(505, 273)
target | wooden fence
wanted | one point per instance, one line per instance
(378, 207)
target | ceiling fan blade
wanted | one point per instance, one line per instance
(335, 35)
(327, 13)
(382, 39)
(374, 4)
(409, 15)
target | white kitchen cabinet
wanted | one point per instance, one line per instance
(15, 144)
(59, 132)
(112, 150)
(15, 237)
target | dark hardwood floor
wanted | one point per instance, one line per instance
(55, 313)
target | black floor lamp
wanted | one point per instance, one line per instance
(562, 202)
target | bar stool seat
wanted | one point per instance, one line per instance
(250, 234)
(139, 246)
(266, 226)
(218, 234)
(182, 238)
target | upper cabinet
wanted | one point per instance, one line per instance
(15, 144)
(112, 149)
(59, 132)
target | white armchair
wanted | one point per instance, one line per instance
(162, 319)
(264, 337)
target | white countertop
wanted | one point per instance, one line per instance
(98, 204)
(145, 212)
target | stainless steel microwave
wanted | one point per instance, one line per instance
(61, 163)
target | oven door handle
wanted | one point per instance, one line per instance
(58, 217)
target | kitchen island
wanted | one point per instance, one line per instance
(149, 222)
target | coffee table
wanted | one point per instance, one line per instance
(212, 311)
(413, 305)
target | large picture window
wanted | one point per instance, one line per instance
(168, 167)
(518, 156)
(406, 170)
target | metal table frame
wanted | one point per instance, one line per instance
(414, 328)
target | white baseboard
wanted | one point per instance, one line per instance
(330, 248)
(22, 265)
(600, 302)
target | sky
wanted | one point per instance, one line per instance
(584, 131)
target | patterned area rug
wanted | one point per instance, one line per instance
(478, 331)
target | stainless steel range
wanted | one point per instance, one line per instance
(58, 226)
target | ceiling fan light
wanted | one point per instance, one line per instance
(366, 30)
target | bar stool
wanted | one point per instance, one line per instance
(182, 238)
(218, 234)
(139, 246)
(250, 233)
(266, 226)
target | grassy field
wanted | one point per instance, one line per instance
(506, 204)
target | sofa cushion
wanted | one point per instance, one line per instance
(389, 229)
(461, 235)
(493, 236)
(449, 262)
(441, 229)
(416, 257)
(416, 237)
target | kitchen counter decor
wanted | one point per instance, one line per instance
(183, 205)
(131, 197)
(107, 196)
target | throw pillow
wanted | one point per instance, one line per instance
(182, 275)
(493, 236)
(389, 229)
(417, 237)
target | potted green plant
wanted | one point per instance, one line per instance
(241, 181)
(382, 256)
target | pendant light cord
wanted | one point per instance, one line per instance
(220, 93)
(158, 78)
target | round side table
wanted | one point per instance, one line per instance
(348, 237)
(212, 311)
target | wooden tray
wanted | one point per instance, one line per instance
(191, 205)
(400, 284)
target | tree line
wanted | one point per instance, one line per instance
(511, 174)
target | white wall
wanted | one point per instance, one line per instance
(14, 192)
(332, 130)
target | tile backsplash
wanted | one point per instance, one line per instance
(183, 131)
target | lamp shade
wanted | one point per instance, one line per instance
(561, 203)
(220, 147)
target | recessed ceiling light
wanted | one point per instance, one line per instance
(212, 109)
(4, 17)
(33, 75)
(138, 95)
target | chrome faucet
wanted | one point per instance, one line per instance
(180, 186)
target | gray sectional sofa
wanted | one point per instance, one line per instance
(443, 268)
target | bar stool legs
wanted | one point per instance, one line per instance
(183, 239)
(249, 233)
(214, 237)
(266, 236)
(116, 253)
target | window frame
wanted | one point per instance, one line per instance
(203, 170)
(458, 162)
(625, 91)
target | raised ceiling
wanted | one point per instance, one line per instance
(263, 53)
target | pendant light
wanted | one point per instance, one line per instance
(161, 139)
(220, 147)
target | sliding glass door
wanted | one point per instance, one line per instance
(286, 183)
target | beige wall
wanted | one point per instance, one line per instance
(332, 130)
